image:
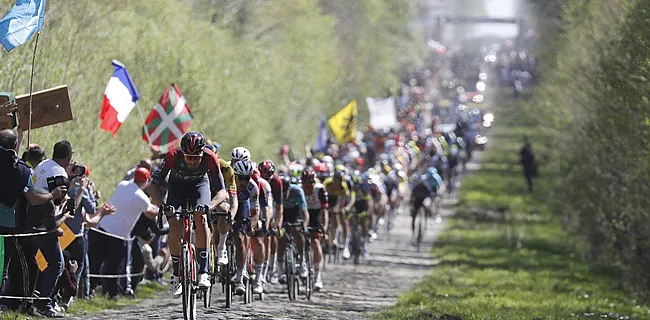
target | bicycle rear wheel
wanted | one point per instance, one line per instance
(227, 272)
(212, 271)
(289, 266)
(420, 235)
(309, 282)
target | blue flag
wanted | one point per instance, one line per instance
(321, 140)
(20, 23)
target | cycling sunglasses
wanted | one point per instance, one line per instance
(243, 178)
(193, 157)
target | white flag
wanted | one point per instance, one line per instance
(382, 112)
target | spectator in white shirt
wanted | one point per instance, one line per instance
(49, 217)
(107, 245)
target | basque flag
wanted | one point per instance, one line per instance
(120, 97)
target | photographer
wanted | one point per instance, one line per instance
(50, 216)
(17, 186)
(86, 212)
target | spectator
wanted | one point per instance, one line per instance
(527, 160)
(51, 216)
(144, 163)
(107, 246)
(86, 212)
(17, 186)
(34, 155)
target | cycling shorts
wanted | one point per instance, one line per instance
(243, 211)
(333, 201)
(291, 215)
(416, 205)
(361, 206)
(315, 220)
(192, 194)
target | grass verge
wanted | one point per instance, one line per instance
(99, 303)
(505, 254)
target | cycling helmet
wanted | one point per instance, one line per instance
(320, 168)
(340, 168)
(243, 168)
(360, 162)
(327, 159)
(432, 171)
(240, 153)
(397, 167)
(308, 175)
(192, 143)
(212, 148)
(295, 180)
(266, 168)
(296, 170)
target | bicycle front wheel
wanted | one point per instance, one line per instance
(186, 283)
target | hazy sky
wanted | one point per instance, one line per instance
(499, 9)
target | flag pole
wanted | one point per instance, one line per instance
(31, 87)
(144, 125)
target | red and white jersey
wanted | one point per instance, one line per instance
(318, 198)
(266, 193)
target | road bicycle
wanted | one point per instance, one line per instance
(188, 264)
(357, 241)
(226, 272)
(290, 262)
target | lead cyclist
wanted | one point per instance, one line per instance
(189, 168)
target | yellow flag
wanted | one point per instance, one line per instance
(344, 123)
(64, 241)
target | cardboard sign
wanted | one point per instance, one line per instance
(50, 106)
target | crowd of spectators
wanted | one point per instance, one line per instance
(60, 243)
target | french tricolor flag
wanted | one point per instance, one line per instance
(119, 99)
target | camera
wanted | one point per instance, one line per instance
(55, 182)
(78, 171)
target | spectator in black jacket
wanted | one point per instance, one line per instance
(527, 160)
(17, 186)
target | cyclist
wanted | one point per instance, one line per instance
(317, 206)
(267, 171)
(259, 243)
(338, 191)
(436, 186)
(295, 207)
(423, 187)
(219, 237)
(363, 204)
(248, 195)
(188, 168)
(379, 197)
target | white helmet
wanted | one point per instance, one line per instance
(240, 153)
(327, 159)
(243, 168)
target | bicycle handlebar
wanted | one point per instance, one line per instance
(169, 209)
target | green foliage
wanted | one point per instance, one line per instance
(506, 255)
(595, 102)
(255, 73)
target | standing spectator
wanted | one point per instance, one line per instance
(17, 186)
(144, 163)
(34, 155)
(107, 246)
(527, 160)
(50, 216)
(86, 212)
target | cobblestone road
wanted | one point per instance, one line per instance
(350, 292)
